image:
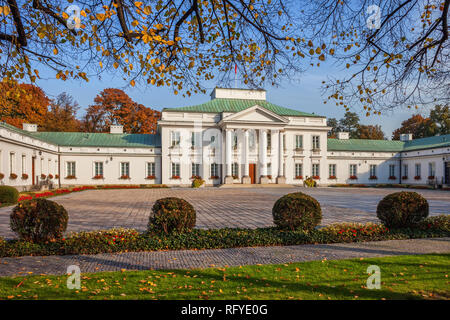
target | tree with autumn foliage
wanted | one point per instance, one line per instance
(22, 103)
(115, 107)
(396, 52)
(61, 116)
(372, 132)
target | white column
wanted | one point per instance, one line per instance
(263, 151)
(246, 153)
(228, 152)
(281, 156)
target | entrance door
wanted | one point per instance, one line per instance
(252, 172)
(447, 173)
(33, 175)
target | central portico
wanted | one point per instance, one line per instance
(238, 137)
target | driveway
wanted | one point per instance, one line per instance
(219, 207)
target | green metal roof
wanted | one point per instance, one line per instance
(236, 105)
(82, 139)
(365, 145)
(427, 143)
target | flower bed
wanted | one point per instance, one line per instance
(123, 240)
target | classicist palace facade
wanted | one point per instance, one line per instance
(238, 137)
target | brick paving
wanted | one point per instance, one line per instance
(188, 259)
(219, 207)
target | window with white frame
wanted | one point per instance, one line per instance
(315, 170)
(316, 142)
(298, 170)
(151, 169)
(125, 169)
(392, 170)
(175, 169)
(175, 138)
(432, 169)
(405, 171)
(195, 170)
(71, 172)
(235, 169)
(353, 170)
(298, 141)
(98, 169)
(234, 140)
(269, 140)
(24, 164)
(214, 170)
(12, 162)
(418, 170)
(332, 170)
(373, 170)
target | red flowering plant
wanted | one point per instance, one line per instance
(24, 176)
(196, 177)
(431, 177)
(50, 176)
(332, 177)
(151, 177)
(417, 177)
(268, 176)
(2, 176)
(175, 177)
(124, 177)
(214, 177)
(299, 177)
(316, 177)
(353, 178)
(404, 177)
(71, 177)
(56, 176)
(351, 232)
(13, 176)
(43, 176)
(392, 178)
(98, 177)
(24, 198)
(373, 178)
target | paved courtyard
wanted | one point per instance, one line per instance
(219, 207)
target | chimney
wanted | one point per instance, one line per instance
(30, 127)
(116, 129)
(242, 94)
(406, 137)
(343, 135)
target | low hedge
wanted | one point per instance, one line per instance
(123, 240)
(8, 194)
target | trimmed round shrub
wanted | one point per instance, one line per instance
(8, 194)
(297, 211)
(39, 220)
(197, 182)
(172, 215)
(402, 209)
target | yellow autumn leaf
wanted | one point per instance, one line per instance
(116, 65)
(191, 65)
(133, 83)
(100, 16)
(6, 10)
(138, 4)
(65, 15)
(55, 51)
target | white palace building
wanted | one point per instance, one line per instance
(237, 137)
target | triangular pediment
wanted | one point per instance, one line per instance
(255, 114)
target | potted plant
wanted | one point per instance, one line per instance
(43, 176)
(151, 177)
(1, 176)
(373, 178)
(332, 177)
(404, 177)
(24, 176)
(98, 177)
(13, 176)
(214, 177)
(430, 177)
(124, 177)
(56, 176)
(50, 176)
(392, 178)
(417, 177)
(299, 177)
(71, 177)
(316, 177)
(353, 178)
(175, 177)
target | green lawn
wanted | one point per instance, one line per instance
(402, 277)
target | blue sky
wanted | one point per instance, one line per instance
(302, 93)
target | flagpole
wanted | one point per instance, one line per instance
(235, 76)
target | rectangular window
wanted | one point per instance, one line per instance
(24, 164)
(316, 142)
(42, 165)
(269, 140)
(98, 169)
(71, 169)
(418, 170)
(353, 169)
(175, 170)
(392, 170)
(298, 170)
(332, 170)
(125, 169)
(269, 169)
(196, 170)
(405, 171)
(175, 138)
(12, 160)
(373, 170)
(214, 170)
(298, 142)
(151, 169)
(316, 170)
(431, 169)
(235, 169)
